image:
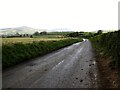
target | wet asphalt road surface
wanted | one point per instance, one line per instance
(70, 67)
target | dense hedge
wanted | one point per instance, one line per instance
(110, 44)
(16, 53)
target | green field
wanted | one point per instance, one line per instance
(28, 40)
(52, 36)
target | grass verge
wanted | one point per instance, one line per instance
(13, 54)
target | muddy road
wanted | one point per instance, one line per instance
(70, 67)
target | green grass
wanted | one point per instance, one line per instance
(28, 40)
(15, 53)
(109, 43)
(46, 36)
(58, 33)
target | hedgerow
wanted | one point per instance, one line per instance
(110, 44)
(13, 54)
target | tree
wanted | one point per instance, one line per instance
(74, 34)
(36, 34)
(43, 33)
(17, 34)
(99, 32)
(31, 36)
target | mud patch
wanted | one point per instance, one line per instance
(108, 78)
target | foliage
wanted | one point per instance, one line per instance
(110, 44)
(99, 32)
(18, 52)
(36, 34)
(74, 34)
(58, 33)
(81, 34)
(41, 33)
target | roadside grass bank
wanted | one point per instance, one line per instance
(16, 53)
(107, 47)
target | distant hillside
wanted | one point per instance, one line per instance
(20, 30)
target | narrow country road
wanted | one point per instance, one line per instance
(70, 67)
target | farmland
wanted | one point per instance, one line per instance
(28, 40)
(52, 36)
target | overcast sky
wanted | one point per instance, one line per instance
(78, 15)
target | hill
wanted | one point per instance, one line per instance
(20, 30)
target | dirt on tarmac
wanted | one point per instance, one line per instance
(108, 76)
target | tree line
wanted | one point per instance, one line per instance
(84, 35)
(25, 35)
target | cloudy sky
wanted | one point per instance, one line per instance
(78, 15)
